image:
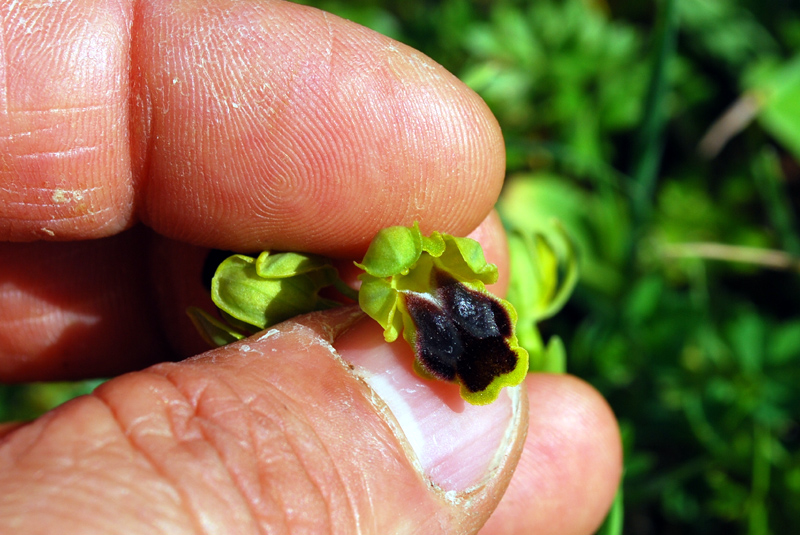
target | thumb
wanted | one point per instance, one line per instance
(304, 428)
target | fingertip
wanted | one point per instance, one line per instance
(571, 466)
(304, 132)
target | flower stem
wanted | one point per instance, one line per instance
(345, 290)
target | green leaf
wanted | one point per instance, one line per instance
(747, 333)
(615, 519)
(643, 299)
(783, 345)
(778, 94)
(649, 142)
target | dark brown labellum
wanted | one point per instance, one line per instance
(462, 333)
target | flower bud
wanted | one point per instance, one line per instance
(255, 293)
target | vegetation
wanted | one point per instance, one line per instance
(665, 137)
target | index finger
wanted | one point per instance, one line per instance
(237, 125)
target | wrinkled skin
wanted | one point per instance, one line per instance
(154, 130)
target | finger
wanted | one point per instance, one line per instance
(77, 310)
(64, 120)
(100, 308)
(571, 466)
(252, 125)
(273, 434)
(302, 130)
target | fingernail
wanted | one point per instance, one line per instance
(457, 446)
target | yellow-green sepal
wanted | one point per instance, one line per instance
(463, 258)
(393, 250)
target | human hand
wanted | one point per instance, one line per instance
(246, 126)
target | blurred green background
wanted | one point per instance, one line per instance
(665, 136)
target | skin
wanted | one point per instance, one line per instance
(152, 131)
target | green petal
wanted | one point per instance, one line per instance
(463, 258)
(547, 263)
(418, 278)
(320, 278)
(434, 244)
(242, 326)
(394, 250)
(379, 300)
